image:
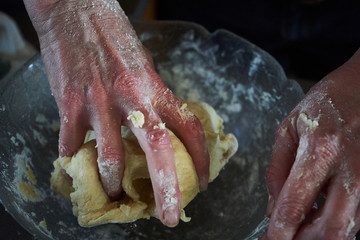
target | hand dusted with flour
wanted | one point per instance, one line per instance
(99, 72)
(90, 203)
(316, 151)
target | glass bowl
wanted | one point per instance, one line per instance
(244, 84)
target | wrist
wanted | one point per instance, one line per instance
(345, 78)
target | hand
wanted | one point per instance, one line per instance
(102, 77)
(316, 151)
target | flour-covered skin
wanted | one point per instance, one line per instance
(316, 151)
(100, 73)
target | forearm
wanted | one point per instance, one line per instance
(42, 11)
(76, 21)
(95, 27)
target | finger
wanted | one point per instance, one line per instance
(111, 155)
(337, 218)
(156, 143)
(308, 175)
(188, 128)
(282, 159)
(355, 229)
(312, 214)
(72, 132)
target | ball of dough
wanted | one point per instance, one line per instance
(92, 206)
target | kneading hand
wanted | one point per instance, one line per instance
(102, 77)
(317, 151)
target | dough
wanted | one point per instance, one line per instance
(91, 204)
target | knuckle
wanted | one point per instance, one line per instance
(158, 139)
(291, 210)
(328, 147)
(125, 81)
(127, 86)
(327, 151)
(110, 154)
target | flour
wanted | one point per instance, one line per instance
(279, 225)
(159, 126)
(198, 63)
(110, 171)
(43, 226)
(13, 140)
(183, 107)
(236, 107)
(24, 183)
(303, 147)
(283, 131)
(184, 112)
(65, 119)
(230, 93)
(44, 123)
(254, 64)
(39, 137)
(311, 124)
(167, 184)
(20, 138)
(350, 226)
(331, 103)
(137, 118)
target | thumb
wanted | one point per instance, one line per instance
(282, 159)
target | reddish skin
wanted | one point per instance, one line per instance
(99, 72)
(328, 164)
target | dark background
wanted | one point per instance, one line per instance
(308, 39)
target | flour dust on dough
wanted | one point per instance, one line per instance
(92, 206)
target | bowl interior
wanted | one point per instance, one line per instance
(244, 84)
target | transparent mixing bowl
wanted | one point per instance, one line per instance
(245, 85)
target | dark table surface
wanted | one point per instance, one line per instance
(10, 229)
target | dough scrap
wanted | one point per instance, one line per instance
(92, 206)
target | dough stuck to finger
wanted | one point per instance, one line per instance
(93, 207)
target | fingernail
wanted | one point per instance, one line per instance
(270, 206)
(171, 216)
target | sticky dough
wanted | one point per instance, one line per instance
(91, 204)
